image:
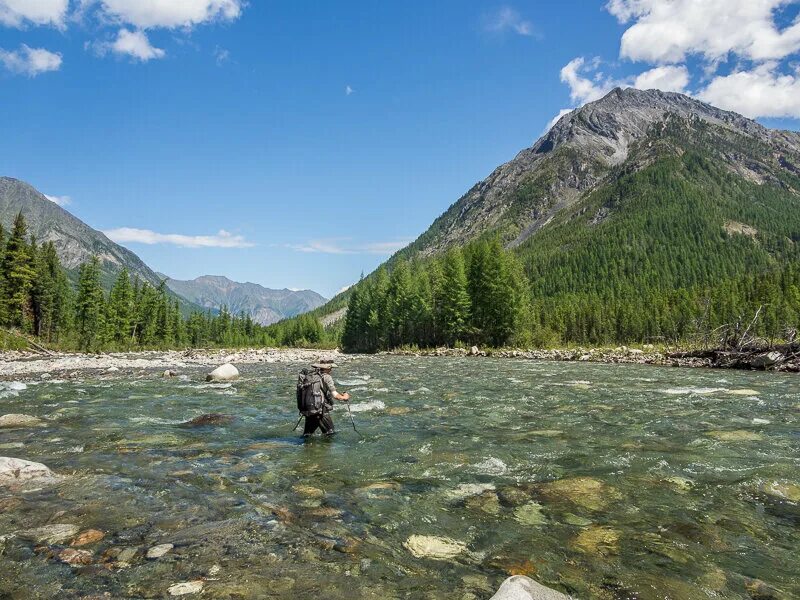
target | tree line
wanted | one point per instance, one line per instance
(38, 298)
(478, 294)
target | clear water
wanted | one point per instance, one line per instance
(605, 481)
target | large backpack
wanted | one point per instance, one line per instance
(310, 397)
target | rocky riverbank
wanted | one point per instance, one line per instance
(782, 360)
(29, 365)
(22, 365)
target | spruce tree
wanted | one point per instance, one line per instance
(120, 311)
(18, 275)
(90, 306)
(453, 300)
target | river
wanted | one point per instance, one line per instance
(604, 481)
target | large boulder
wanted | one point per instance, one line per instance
(13, 420)
(15, 471)
(210, 420)
(520, 587)
(226, 372)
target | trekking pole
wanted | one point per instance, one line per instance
(298, 423)
(352, 420)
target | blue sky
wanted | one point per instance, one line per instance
(297, 144)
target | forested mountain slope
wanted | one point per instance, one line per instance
(637, 215)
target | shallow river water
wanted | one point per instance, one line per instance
(603, 481)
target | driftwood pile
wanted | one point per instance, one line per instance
(778, 358)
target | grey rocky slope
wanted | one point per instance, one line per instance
(264, 305)
(578, 154)
(74, 240)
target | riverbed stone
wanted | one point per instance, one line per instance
(586, 492)
(530, 514)
(17, 421)
(437, 548)
(782, 490)
(159, 551)
(50, 534)
(226, 372)
(186, 588)
(85, 538)
(75, 558)
(15, 471)
(739, 435)
(520, 587)
(603, 541)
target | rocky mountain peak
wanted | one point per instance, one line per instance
(609, 126)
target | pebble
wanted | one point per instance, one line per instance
(74, 557)
(15, 420)
(437, 548)
(90, 536)
(159, 551)
(50, 534)
(188, 587)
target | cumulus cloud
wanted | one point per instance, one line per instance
(760, 92)
(146, 14)
(508, 20)
(60, 200)
(135, 44)
(342, 246)
(667, 32)
(19, 13)
(30, 61)
(588, 83)
(223, 239)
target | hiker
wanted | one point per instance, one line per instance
(316, 392)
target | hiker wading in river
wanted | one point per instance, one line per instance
(316, 392)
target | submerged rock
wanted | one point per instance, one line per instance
(18, 471)
(437, 548)
(90, 536)
(530, 514)
(75, 558)
(209, 420)
(782, 490)
(188, 587)
(740, 435)
(50, 534)
(14, 420)
(226, 372)
(159, 551)
(598, 540)
(586, 492)
(520, 587)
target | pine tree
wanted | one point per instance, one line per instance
(453, 300)
(18, 275)
(90, 305)
(120, 311)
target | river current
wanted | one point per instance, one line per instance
(603, 481)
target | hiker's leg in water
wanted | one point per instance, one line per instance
(311, 425)
(326, 424)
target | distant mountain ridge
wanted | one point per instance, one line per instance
(264, 305)
(74, 240)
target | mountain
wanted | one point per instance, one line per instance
(633, 209)
(74, 240)
(264, 305)
(594, 146)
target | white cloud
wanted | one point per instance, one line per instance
(221, 56)
(30, 61)
(507, 19)
(60, 200)
(348, 90)
(223, 239)
(340, 246)
(760, 92)
(18, 13)
(669, 78)
(669, 31)
(146, 14)
(587, 83)
(135, 44)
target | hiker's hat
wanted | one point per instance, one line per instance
(324, 364)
